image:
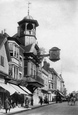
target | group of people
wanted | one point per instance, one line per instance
(71, 99)
(41, 101)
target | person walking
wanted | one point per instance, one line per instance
(7, 105)
(27, 102)
(41, 100)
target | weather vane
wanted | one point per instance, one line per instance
(28, 7)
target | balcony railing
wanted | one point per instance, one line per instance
(35, 78)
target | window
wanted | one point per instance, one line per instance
(20, 75)
(20, 61)
(49, 86)
(2, 61)
(25, 67)
(15, 72)
(10, 70)
(52, 85)
(33, 69)
(14, 50)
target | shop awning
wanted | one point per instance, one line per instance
(8, 87)
(61, 94)
(18, 89)
(44, 91)
(25, 89)
(53, 95)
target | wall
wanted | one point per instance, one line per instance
(3, 53)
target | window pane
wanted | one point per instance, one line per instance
(2, 60)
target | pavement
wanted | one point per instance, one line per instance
(19, 109)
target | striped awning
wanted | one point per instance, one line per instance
(18, 89)
(25, 89)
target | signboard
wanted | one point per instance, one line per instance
(54, 54)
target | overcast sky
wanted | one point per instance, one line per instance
(58, 26)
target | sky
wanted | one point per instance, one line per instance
(58, 27)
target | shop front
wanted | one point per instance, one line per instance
(13, 92)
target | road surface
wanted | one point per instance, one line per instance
(53, 109)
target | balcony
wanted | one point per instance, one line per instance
(35, 81)
(39, 79)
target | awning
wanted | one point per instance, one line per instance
(18, 89)
(61, 94)
(53, 95)
(44, 91)
(25, 89)
(8, 87)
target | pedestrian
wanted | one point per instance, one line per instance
(0, 103)
(41, 100)
(7, 105)
(27, 102)
(32, 100)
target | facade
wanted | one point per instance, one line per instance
(44, 89)
(20, 63)
(16, 66)
(4, 66)
(25, 67)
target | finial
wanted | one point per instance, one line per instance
(28, 7)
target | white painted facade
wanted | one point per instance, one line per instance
(16, 66)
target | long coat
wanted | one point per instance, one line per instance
(7, 104)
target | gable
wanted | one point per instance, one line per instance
(3, 41)
(4, 55)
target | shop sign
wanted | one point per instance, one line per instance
(54, 54)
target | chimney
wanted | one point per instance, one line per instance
(46, 65)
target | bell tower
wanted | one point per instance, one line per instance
(27, 29)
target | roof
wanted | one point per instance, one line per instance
(27, 48)
(3, 40)
(26, 19)
(15, 35)
(7, 51)
(54, 49)
(15, 39)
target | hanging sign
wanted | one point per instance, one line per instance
(54, 54)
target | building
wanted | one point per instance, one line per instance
(44, 89)
(4, 67)
(25, 67)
